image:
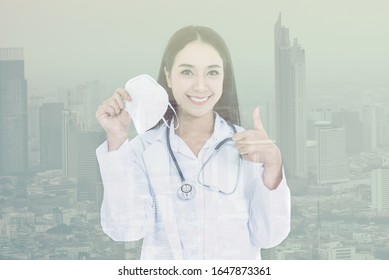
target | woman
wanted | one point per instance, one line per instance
(206, 190)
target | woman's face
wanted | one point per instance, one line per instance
(196, 79)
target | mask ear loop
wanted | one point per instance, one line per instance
(174, 111)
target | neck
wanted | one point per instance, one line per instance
(195, 131)
(197, 127)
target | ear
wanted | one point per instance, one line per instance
(167, 75)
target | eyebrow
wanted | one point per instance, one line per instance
(191, 66)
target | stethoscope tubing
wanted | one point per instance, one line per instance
(186, 191)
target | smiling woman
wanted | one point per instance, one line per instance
(205, 188)
(214, 54)
(196, 81)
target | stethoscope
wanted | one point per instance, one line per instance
(187, 191)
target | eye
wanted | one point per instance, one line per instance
(213, 73)
(187, 72)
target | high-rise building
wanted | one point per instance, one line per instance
(289, 101)
(298, 109)
(51, 135)
(89, 186)
(13, 113)
(380, 189)
(34, 104)
(373, 128)
(332, 165)
(69, 145)
(350, 120)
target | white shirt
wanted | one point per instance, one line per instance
(140, 200)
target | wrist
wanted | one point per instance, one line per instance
(115, 141)
(272, 175)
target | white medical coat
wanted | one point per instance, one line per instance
(140, 201)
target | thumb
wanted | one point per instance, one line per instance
(257, 119)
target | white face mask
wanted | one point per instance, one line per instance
(149, 102)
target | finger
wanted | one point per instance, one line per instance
(257, 119)
(260, 142)
(123, 94)
(105, 111)
(249, 157)
(249, 134)
(119, 100)
(239, 136)
(242, 150)
(249, 149)
(114, 104)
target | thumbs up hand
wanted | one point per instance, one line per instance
(256, 146)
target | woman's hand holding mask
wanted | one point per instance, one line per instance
(114, 119)
(256, 146)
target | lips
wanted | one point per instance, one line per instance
(199, 100)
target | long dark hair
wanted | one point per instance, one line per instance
(227, 106)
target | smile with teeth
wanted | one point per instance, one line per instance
(199, 100)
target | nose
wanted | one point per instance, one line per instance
(200, 84)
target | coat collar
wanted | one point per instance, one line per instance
(221, 130)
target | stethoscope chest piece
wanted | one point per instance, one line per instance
(186, 191)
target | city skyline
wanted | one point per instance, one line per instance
(337, 213)
(82, 45)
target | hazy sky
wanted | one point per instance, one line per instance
(69, 42)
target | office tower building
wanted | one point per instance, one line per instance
(380, 189)
(352, 124)
(332, 166)
(34, 104)
(50, 119)
(298, 90)
(13, 113)
(372, 126)
(89, 186)
(69, 145)
(289, 101)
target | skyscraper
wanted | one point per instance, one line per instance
(350, 120)
(380, 189)
(13, 113)
(69, 145)
(373, 128)
(332, 165)
(51, 135)
(289, 101)
(89, 186)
